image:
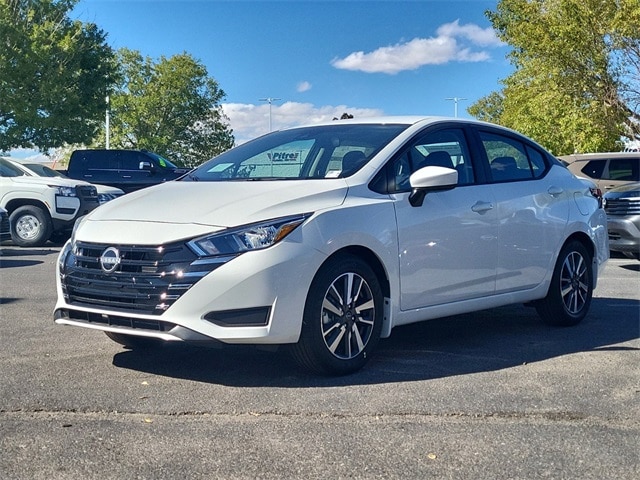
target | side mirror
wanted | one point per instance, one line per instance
(146, 166)
(431, 179)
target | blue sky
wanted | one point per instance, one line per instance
(320, 58)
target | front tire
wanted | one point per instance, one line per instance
(342, 318)
(31, 226)
(571, 289)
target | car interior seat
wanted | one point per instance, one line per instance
(439, 158)
(352, 161)
(504, 168)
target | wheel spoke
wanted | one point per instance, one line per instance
(368, 305)
(356, 334)
(336, 342)
(329, 306)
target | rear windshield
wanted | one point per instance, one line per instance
(333, 151)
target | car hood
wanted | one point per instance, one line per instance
(624, 191)
(53, 181)
(178, 210)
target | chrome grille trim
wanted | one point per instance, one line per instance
(617, 206)
(148, 279)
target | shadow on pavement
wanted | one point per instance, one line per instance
(483, 341)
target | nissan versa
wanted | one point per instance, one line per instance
(326, 237)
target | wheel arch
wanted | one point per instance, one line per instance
(15, 203)
(377, 265)
(584, 239)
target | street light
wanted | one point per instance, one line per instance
(107, 123)
(455, 104)
(270, 100)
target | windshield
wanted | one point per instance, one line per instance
(333, 151)
(43, 170)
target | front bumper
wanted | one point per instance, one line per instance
(624, 234)
(256, 298)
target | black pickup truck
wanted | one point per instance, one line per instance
(128, 170)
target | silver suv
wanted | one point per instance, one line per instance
(607, 170)
(623, 219)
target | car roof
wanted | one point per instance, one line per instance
(584, 157)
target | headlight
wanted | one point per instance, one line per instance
(246, 238)
(65, 191)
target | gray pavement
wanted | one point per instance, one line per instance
(494, 395)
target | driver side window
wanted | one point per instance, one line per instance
(443, 148)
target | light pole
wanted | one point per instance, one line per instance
(107, 124)
(455, 104)
(270, 100)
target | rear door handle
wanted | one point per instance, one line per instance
(482, 207)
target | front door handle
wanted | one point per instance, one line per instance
(482, 207)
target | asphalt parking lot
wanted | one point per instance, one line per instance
(493, 395)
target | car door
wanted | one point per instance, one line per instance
(448, 245)
(532, 210)
(132, 176)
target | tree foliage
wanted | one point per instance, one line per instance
(576, 85)
(54, 75)
(171, 107)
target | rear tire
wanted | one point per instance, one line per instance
(342, 318)
(31, 226)
(571, 289)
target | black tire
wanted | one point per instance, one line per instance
(571, 289)
(31, 226)
(340, 332)
(133, 341)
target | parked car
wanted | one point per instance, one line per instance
(5, 228)
(608, 170)
(128, 170)
(105, 193)
(622, 205)
(327, 237)
(42, 208)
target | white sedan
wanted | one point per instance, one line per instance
(326, 237)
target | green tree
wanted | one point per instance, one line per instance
(54, 75)
(575, 86)
(171, 107)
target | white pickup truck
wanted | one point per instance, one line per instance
(41, 208)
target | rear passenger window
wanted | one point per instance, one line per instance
(510, 159)
(594, 168)
(624, 169)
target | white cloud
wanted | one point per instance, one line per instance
(303, 87)
(249, 121)
(453, 43)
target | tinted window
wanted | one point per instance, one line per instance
(509, 158)
(624, 169)
(594, 168)
(131, 160)
(9, 170)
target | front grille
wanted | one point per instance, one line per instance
(114, 320)
(623, 206)
(87, 192)
(147, 279)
